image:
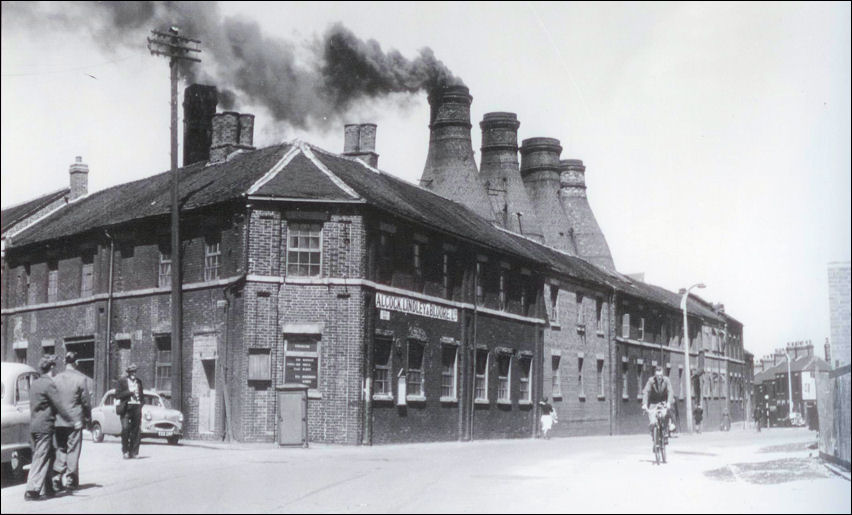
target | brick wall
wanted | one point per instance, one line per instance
(839, 305)
(568, 342)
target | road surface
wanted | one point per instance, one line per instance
(737, 472)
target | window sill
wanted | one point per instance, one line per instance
(382, 397)
(581, 397)
(482, 401)
(556, 325)
(581, 329)
(415, 398)
(449, 400)
(525, 403)
(625, 397)
(600, 333)
(557, 397)
(313, 394)
(504, 402)
(601, 397)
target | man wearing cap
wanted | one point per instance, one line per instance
(128, 392)
(45, 403)
(73, 388)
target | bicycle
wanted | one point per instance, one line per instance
(660, 438)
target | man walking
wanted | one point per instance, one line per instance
(128, 392)
(44, 405)
(73, 388)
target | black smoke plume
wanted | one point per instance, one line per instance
(248, 67)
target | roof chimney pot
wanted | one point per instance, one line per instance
(79, 178)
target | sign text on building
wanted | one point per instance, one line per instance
(416, 307)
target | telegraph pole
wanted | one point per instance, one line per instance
(176, 48)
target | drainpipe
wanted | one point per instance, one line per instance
(369, 336)
(473, 349)
(612, 368)
(109, 311)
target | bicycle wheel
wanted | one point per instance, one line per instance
(657, 443)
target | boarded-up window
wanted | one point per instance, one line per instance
(625, 325)
(581, 392)
(87, 279)
(52, 281)
(601, 392)
(260, 365)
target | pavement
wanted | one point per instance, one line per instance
(776, 470)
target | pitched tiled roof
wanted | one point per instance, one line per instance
(14, 214)
(200, 186)
(302, 171)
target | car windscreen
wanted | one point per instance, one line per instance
(153, 400)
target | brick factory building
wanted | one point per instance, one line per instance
(443, 311)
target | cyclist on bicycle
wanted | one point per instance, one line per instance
(657, 390)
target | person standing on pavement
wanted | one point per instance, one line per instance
(45, 403)
(548, 418)
(74, 395)
(128, 393)
(757, 418)
(698, 416)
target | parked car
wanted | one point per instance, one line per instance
(16, 451)
(158, 421)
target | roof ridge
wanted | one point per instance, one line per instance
(276, 168)
(12, 232)
(340, 183)
(21, 203)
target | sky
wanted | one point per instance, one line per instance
(715, 136)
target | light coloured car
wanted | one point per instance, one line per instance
(158, 421)
(16, 451)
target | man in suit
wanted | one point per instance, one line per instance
(657, 390)
(128, 392)
(45, 403)
(74, 395)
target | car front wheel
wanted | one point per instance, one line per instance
(97, 433)
(16, 464)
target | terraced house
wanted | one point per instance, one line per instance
(442, 311)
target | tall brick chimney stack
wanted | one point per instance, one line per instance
(540, 173)
(450, 170)
(231, 132)
(500, 170)
(359, 141)
(79, 180)
(199, 106)
(590, 241)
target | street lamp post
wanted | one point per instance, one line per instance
(688, 376)
(789, 387)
